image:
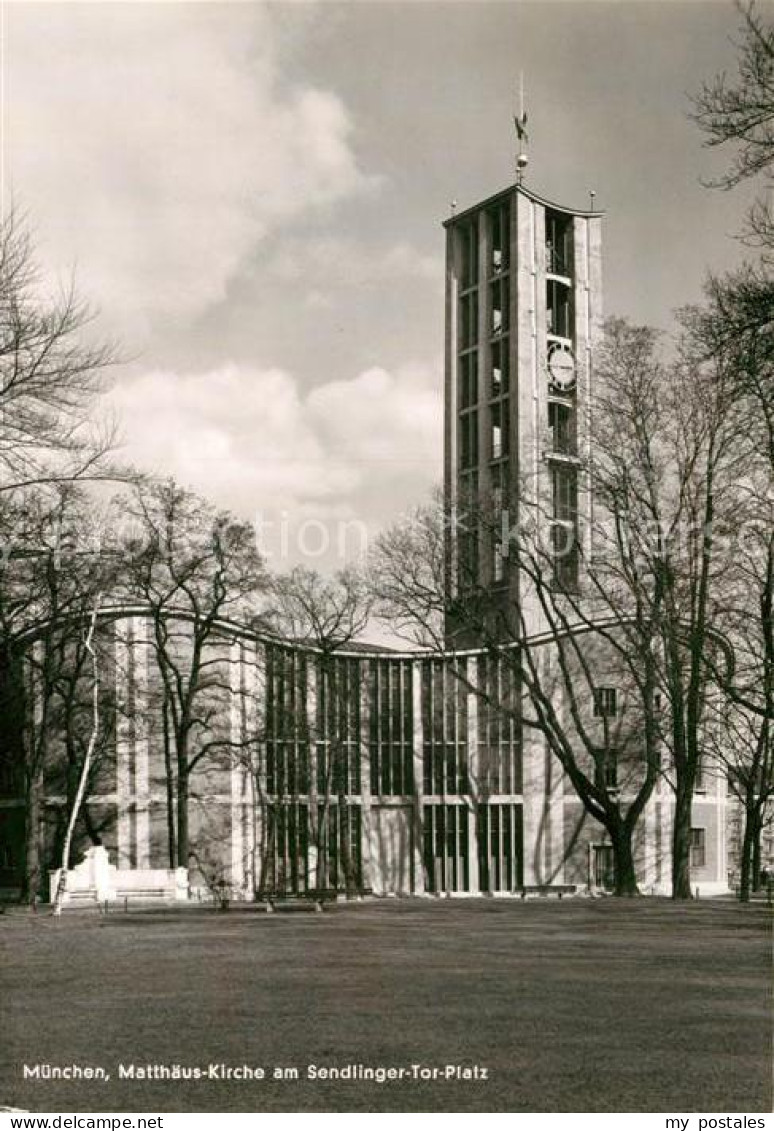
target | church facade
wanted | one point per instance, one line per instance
(410, 773)
(402, 774)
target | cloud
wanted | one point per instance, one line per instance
(340, 261)
(156, 145)
(378, 417)
(360, 449)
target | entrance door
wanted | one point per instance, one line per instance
(604, 874)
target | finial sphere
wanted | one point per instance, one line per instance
(522, 161)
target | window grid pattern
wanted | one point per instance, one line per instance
(498, 379)
(446, 848)
(338, 726)
(286, 852)
(499, 745)
(287, 726)
(340, 848)
(468, 421)
(391, 728)
(444, 730)
(500, 848)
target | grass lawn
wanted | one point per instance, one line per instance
(570, 1006)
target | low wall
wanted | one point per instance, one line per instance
(96, 880)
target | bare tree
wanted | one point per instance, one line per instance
(74, 808)
(740, 112)
(49, 572)
(665, 460)
(193, 568)
(51, 371)
(50, 375)
(735, 329)
(600, 752)
(666, 463)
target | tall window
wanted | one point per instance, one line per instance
(565, 493)
(607, 768)
(444, 730)
(698, 848)
(446, 847)
(340, 860)
(391, 728)
(564, 534)
(468, 320)
(499, 542)
(499, 306)
(605, 702)
(467, 531)
(499, 438)
(499, 355)
(469, 379)
(338, 727)
(499, 734)
(498, 238)
(561, 423)
(469, 253)
(564, 548)
(500, 854)
(559, 230)
(287, 724)
(469, 440)
(287, 844)
(499, 422)
(558, 320)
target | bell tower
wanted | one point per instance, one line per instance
(523, 312)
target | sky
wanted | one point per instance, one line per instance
(251, 196)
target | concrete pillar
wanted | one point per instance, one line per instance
(237, 734)
(370, 858)
(313, 678)
(474, 774)
(125, 660)
(417, 868)
(141, 745)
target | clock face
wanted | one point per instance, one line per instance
(561, 368)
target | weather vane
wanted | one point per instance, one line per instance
(520, 122)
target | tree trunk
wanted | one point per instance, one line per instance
(71, 791)
(755, 866)
(346, 854)
(320, 839)
(170, 787)
(182, 812)
(681, 844)
(745, 868)
(623, 863)
(31, 882)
